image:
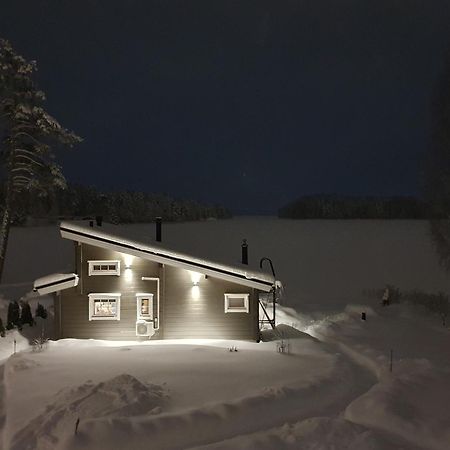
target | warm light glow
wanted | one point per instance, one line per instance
(195, 292)
(195, 277)
(128, 274)
(128, 259)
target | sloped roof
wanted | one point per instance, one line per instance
(105, 238)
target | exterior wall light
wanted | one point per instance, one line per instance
(195, 292)
(128, 274)
(128, 259)
(195, 277)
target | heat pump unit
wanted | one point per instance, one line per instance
(144, 328)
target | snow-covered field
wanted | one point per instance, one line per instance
(333, 390)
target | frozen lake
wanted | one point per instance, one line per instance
(326, 262)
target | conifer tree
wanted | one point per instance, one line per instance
(25, 315)
(41, 311)
(2, 328)
(28, 135)
(13, 318)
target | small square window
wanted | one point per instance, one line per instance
(104, 268)
(236, 303)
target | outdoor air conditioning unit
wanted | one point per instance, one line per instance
(144, 328)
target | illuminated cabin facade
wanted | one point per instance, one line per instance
(127, 290)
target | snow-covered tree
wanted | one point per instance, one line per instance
(13, 319)
(41, 311)
(25, 315)
(2, 328)
(28, 136)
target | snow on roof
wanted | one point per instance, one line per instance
(55, 282)
(103, 238)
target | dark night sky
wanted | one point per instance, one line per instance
(246, 103)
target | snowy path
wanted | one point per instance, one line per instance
(214, 395)
(226, 420)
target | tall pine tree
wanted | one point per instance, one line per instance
(28, 135)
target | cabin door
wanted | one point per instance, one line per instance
(147, 307)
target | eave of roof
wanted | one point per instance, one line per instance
(100, 238)
(55, 282)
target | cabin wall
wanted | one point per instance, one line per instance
(75, 302)
(186, 311)
(199, 311)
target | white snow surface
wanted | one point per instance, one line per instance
(333, 390)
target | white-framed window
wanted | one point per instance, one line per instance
(236, 303)
(104, 306)
(144, 304)
(106, 267)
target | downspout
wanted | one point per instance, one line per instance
(81, 269)
(157, 297)
(60, 314)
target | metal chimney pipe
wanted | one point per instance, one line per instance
(158, 229)
(244, 248)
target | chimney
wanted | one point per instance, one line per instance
(244, 251)
(99, 220)
(158, 229)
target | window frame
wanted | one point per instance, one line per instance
(243, 309)
(104, 262)
(103, 296)
(139, 297)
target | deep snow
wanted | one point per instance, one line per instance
(333, 390)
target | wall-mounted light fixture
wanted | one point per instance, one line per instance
(195, 292)
(195, 277)
(128, 260)
(128, 274)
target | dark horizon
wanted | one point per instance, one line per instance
(246, 104)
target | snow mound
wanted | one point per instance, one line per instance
(411, 403)
(283, 331)
(317, 433)
(121, 396)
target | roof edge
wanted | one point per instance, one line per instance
(107, 240)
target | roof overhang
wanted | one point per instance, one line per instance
(102, 239)
(55, 282)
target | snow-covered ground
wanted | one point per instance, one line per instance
(333, 389)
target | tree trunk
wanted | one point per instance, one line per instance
(4, 227)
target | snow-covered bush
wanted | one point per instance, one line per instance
(41, 311)
(39, 344)
(13, 319)
(2, 328)
(25, 315)
(436, 303)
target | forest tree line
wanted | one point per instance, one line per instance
(77, 202)
(346, 207)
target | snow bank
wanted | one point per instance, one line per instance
(123, 395)
(283, 331)
(7, 345)
(317, 433)
(213, 422)
(412, 403)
